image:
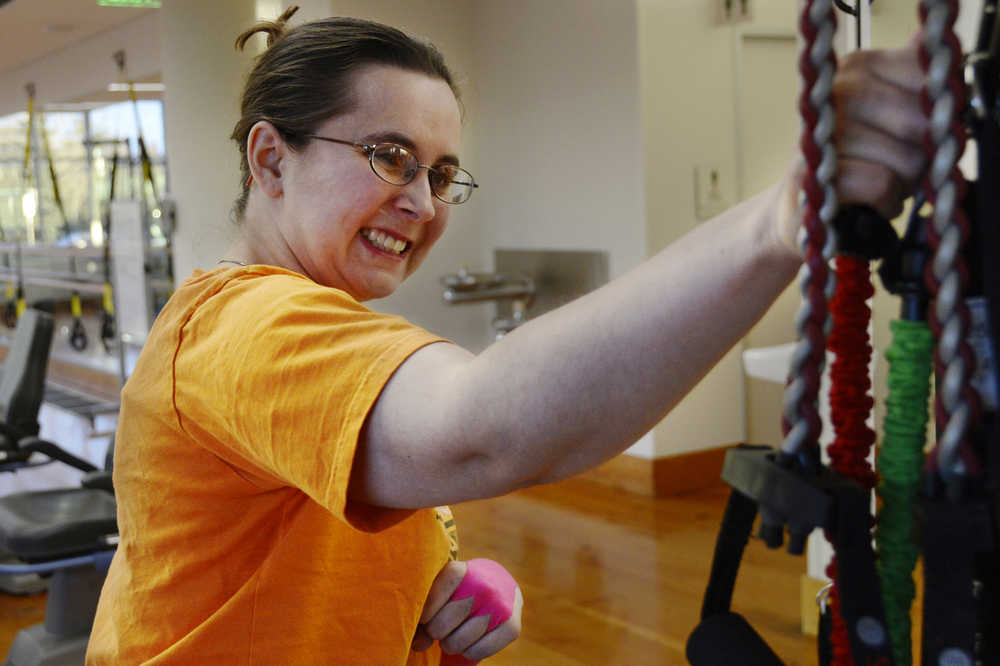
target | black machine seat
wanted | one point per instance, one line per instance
(51, 524)
(23, 380)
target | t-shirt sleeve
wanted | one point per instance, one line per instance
(277, 375)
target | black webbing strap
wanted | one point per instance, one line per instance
(987, 220)
(959, 554)
(858, 584)
(824, 633)
(723, 637)
(737, 524)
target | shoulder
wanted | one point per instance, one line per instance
(264, 292)
(267, 303)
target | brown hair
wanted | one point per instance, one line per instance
(305, 76)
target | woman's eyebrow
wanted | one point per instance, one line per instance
(392, 136)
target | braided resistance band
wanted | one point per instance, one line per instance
(900, 461)
(850, 406)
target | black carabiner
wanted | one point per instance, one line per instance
(78, 337)
(107, 330)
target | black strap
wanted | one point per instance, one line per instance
(723, 637)
(30, 445)
(737, 524)
(824, 646)
(987, 220)
(955, 537)
(857, 579)
(728, 639)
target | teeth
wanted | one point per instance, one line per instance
(383, 241)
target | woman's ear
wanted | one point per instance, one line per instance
(265, 148)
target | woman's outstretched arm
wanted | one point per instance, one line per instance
(573, 388)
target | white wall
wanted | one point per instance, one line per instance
(559, 127)
(203, 75)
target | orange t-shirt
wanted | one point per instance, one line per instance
(237, 434)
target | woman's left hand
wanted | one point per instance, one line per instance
(462, 624)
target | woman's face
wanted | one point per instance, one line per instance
(334, 205)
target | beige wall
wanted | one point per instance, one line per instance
(690, 83)
(559, 123)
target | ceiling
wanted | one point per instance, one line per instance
(41, 27)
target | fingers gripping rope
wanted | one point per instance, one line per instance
(493, 591)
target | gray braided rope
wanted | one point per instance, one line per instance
(820, 14)
(944, 266)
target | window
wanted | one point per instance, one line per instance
(82, 143)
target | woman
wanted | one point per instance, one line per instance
(280, 445)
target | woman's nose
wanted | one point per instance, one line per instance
(417, 199)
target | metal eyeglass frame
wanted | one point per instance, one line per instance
(369, 151)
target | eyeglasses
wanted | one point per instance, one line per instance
(396, 165)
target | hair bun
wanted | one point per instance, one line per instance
(274, 29)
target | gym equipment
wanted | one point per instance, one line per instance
(78, 334)
(945, 270)
(21, 390)
(68, 533)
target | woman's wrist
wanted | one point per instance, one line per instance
(778, 223)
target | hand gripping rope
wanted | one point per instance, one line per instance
(869, 611)
(791, 487)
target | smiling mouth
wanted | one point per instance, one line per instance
(386, 243)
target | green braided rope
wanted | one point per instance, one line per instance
(900, 460)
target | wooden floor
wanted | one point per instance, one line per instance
(609, 578)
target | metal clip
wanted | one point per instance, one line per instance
(822, 596)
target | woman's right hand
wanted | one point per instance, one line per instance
(462, 626)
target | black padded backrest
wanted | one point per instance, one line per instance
(23, 381)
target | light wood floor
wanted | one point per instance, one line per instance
(609, 578)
